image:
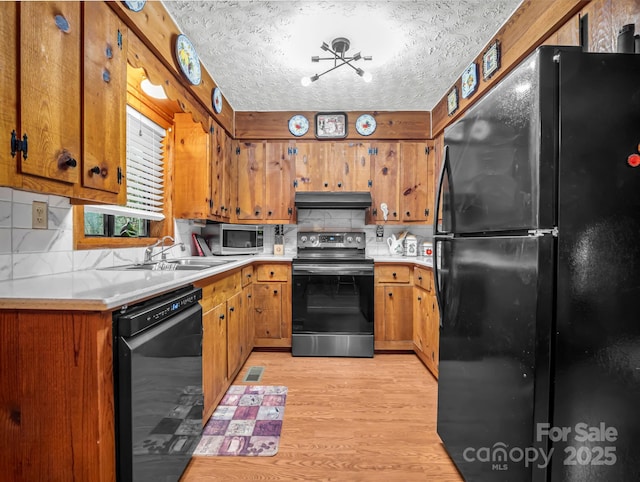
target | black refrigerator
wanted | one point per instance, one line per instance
(537, 270)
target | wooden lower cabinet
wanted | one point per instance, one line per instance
(426, 320)
(272, 305)
(214, 357)
(393, 301)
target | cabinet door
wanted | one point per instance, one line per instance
(398, 312)
(416, 181)
(311, 161)
(432, 333)
(50, 95)
(221, 147)
(235, 333)
(104, 101)
(351, 166)
(279, 182)
(251, 164)
(420, 304)
(230, 194)
(8, 89)
(385, 181)
(248, 322)
(214, 356)
(191, 181)
(267, 310)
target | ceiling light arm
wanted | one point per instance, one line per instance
(338, 48)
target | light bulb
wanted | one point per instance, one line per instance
(367, 77)
(152, 90)
(305, 81)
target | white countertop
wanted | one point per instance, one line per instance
(109, 288)
(105, 289)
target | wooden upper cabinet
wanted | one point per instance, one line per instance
(220, 173)
(191, 171)
(386, 162)
(8, 90)
(311, 161)
(50, 90)
(251, 181)
(416, 181)
(104, 100)
(279, 182)
(351, 166)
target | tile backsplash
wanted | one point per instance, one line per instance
(26, 252)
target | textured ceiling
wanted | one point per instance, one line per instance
(257, 51)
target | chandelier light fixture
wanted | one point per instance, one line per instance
(339, 47)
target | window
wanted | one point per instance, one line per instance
(145, 184)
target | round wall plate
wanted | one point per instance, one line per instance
(298, 125)
(216, 100)
(135, 5)
(366, 125)
(188, 59)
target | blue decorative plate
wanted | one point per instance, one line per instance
(298, 125)
(216, 100)
(366, 125)
(135, 5)
(469, 80)
(188, 59)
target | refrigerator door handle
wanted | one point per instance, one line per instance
(444, 170)
(436, 278)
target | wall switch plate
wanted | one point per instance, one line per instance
(39, 218)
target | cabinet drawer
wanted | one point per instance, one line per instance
(216, 292)
(272, 272)
(393, 274)
(422, 278)
(247, 275)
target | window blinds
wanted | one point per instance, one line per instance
(145, 170)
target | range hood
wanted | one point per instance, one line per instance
(333, 200)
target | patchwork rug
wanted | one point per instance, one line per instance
(247, 422)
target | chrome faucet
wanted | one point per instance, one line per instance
(148, 253)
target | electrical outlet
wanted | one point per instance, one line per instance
(39, 215)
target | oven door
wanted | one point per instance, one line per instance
(332, 308)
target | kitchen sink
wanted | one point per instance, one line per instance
(186, 264)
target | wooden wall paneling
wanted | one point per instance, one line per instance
(526, 29)
(10, 400)
(390, 125)
(8, 90)
(156, 27)
(140, 56)
(50, 95)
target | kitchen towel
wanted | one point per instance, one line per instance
(247, 422)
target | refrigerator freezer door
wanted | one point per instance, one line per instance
(597, 377)
(498, 149)
(494, 351)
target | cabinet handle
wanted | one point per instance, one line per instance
(249, 296)
(249, 275)
(94, 170)
(419, 278)
(275, 292)
(271, 273)
(231, 308)
(270, 213)
(395, 214)
(257, 213)
(419, 298)
(408, 213)
(394, 275)
(390, 294)
(339, 184)
(222, 317)
(326, 184)
(65, 161)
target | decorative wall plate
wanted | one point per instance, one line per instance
(216, 100)
(135, 5)
(298, 125)
(366, 125)
(188, 59)
(452, 101)
(491, 60)
(469, 80)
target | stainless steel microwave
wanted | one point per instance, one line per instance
(230, 239)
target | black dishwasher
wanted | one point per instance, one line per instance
(158, 386)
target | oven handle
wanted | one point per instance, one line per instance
(342, 270)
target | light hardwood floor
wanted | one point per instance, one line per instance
(346, 419)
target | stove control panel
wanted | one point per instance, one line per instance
(313, 239)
